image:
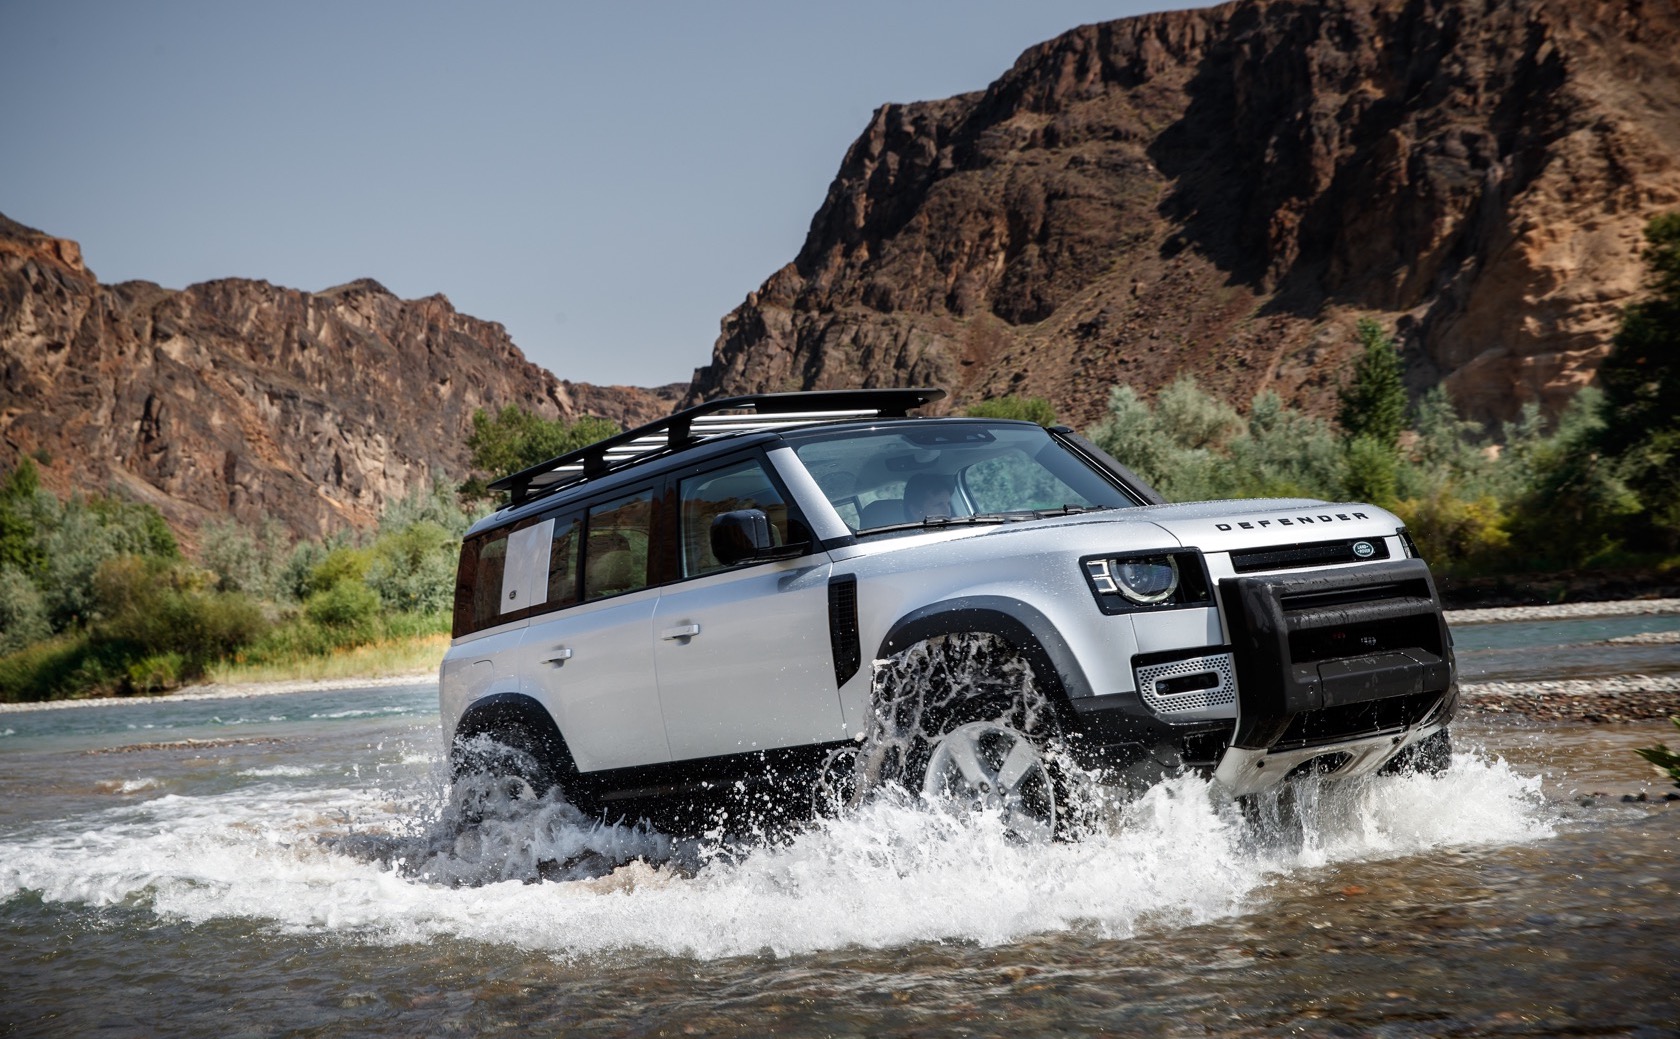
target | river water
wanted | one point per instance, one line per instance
(291, 865)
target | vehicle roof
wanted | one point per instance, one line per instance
(693, 435)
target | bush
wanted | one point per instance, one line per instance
(156, 673)
(246, 561)
(339, 565)
(23, 616)
(1029, 409)
(349, 610)
(413, 568)
(152, 609)
(1373, 403)
(1284, 454)
(1663, 758)
(1453, 533)
(69, 665)
(515, 439)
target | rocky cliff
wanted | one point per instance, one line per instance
(1225, 191)
(241, 398)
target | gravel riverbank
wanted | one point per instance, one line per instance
(1566, 611)
(1615, 698)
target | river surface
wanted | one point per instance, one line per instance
(291, 865)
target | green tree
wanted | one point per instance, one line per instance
(1030, 409)
(21, 516)
(1641, 382)
(515, 439)
(1373, 403)
(1574, 506)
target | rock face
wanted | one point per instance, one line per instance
(1225, 191)
(242, 398)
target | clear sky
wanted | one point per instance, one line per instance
(607, 180)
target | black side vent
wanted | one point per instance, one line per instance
(843, 627)
(1317, 553)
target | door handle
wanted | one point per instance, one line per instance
(561, 655)
(681, 631)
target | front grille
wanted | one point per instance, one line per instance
(1300, 556)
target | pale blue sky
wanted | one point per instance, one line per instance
(605, 180)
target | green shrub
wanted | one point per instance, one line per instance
(63, 666)
(1284, 454)
(150, 608)
(341, 564)
(1373, 403)
(413, 568)
(1029, 409)
(244, 560)
(23, 615)
(515, 439)
(156, 673)
(1663, 758)
(349, 610)
(1453, 533)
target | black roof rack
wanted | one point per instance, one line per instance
(713, 418)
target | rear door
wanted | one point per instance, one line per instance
(590, 658)
(743, 652)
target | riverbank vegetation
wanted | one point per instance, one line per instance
(97, 596)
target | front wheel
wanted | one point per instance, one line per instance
(990, 767)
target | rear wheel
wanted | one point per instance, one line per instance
(495, 768)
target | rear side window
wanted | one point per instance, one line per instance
(563, 553)
(478, 582)
(615, 555)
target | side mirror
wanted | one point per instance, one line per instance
(745, 535)
(740, 536)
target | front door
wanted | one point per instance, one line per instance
(743, 652)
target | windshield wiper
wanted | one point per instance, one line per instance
(986, 518)
(941, 522)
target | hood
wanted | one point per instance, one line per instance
(1219, 526)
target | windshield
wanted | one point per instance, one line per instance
(950, 470)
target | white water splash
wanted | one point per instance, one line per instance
(370, 867)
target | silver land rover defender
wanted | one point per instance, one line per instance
(741, 595)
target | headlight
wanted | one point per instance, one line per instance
(1147, 581)
(1161, 580)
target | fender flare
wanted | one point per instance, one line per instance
(1017, 623)
(501, 713)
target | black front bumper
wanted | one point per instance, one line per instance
(1332, 656)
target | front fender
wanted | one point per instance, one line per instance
(1017, 623)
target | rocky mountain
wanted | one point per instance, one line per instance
(1225, 191)
(242, 398)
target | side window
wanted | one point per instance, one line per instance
(478, 582)
(741, 485)
(615, 555)
(563, 561)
